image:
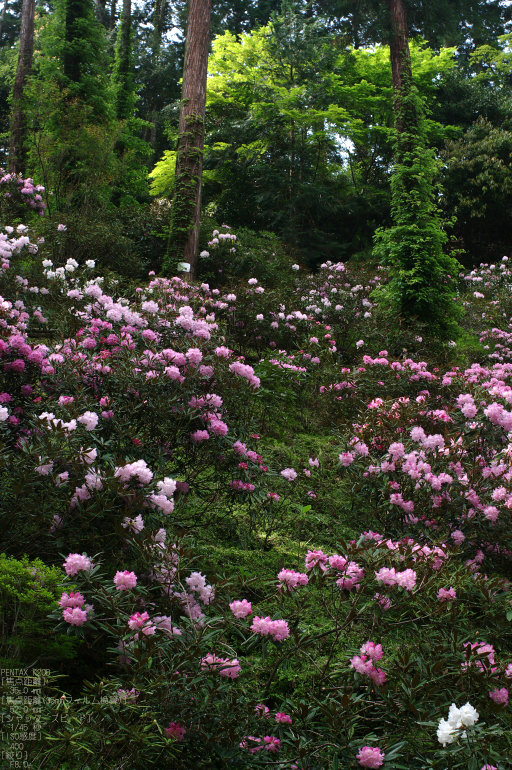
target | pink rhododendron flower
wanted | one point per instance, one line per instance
(364, 665)
(371, 757)
(284, 719)
(374, 651)
(218, 427)
(75, 616)
(390, 577)
(289, 473)
(317, 557)
(383, 600)
(176, 730)
(223, 352)
(241, 609)
(125, 581)
(194, 356)
(346, 459)
(447, 594)
(279, 629)
(76, 562)
(293, 579)
(141, 622)
(232, 669)
(225, 667)
(351, 578)
(458, 536)
(491, 513)
(500, 696)
(71, 600)
(89, 420)
(200, 435)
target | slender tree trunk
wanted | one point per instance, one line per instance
(2, 17)
(123, 76)
(401, 68)
(159, 12)
(158, 24)
(18, 148)
(113, 11)
(186, 205)
(102, 13)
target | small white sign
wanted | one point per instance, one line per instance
(184, 267)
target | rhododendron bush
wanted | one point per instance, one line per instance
(137, 429)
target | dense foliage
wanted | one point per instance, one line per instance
(239, 563)
(299, 119)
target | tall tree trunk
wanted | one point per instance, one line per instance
(158, 25)
(186, 204)
(18, 150)
(113, 11)
(159, 13)
(102, 13)
(2, 17)
(123, 76)
(401, 68)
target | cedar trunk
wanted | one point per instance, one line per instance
(18, 149)
(405, 119)
(2, 17)
(123, 67)
(186, 205)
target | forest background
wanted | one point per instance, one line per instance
(299, 122)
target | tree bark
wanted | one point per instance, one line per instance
(158, 24)
(123, 66)
(103, 14)
(186, 205)
(2, 17)
(18, 149)
(401, 67)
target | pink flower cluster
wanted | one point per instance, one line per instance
(279, 629)
(137, 470)
(486, 654)
(352, 572)
(370, 756)
(125, 581)
(176, 730)
(293, 579)
(244, 370)
(141, 622)
(390, 577)
(500, 696)
(76, 562)
(269, 743)
(241, 609)
(364, 663)
(72, 605)
(75, 616)
(71, 600)
(447, 594)
(314, 558)
(224, 666)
